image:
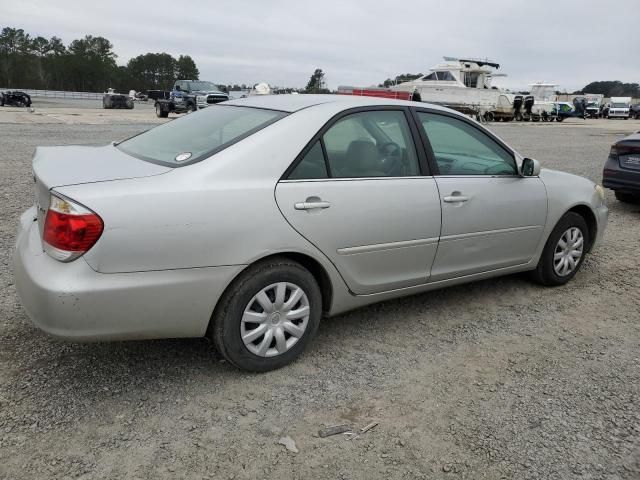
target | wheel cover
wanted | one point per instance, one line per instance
(275, 319)
(568, 252)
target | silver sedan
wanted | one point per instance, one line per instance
(249, 221)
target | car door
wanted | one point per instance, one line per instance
(492, 217)
(361, 194)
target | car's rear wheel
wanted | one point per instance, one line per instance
(267, 316)
(627, 197)
(564, 251)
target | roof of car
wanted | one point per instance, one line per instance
(293, 103)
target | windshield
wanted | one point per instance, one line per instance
(199, 135)
(619, 105)
(202, 86)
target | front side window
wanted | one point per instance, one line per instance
(431, 76)
(371, 144)
(194, 137)
(461, 149)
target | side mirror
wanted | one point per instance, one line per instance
(530, 167)
(177, 88)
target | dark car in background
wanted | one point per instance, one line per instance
(634, 111)
(15, 98)
(622, 169)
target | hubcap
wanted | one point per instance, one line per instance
(275, 319)
(568, 252)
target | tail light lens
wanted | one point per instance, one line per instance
(614, 151)
(69, 229)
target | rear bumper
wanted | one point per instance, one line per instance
(616, 178)
(72, 301)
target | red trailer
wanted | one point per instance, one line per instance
(375, 92)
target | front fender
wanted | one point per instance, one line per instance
(567, 192)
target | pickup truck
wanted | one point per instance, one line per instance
(189, 96)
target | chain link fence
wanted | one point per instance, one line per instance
(58, 94)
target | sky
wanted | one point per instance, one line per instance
(358, 42)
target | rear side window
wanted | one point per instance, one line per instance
(311, 166)
(360, 145)
(197, 136)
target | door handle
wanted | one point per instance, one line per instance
(455, 199)
(311, 205)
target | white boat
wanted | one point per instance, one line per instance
(545, 98)
(465, 85)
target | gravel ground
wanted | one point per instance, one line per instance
(497, 379)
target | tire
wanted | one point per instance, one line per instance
(627, 197)
(129, 104)
(192, 108)
(559, 119)
(227, 323)
(545, 272)
(160, 112)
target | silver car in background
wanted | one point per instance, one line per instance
(250, 220)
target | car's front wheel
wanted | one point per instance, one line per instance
(564, 251)
(267, 316)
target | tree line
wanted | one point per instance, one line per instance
(611, 88)
(86, 64)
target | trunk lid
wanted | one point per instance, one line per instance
(72, 165)
(628, 150)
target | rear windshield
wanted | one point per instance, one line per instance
(199, 135)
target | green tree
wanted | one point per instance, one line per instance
(92, 64)
(186, 68)
(316, 83)
(152, 71)
(14, 50)
(612, 88)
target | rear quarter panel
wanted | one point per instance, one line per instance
(220, 211)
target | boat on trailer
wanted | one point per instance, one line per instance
(464, 84)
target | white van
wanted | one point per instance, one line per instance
(619, 107)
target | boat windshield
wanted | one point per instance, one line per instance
(445, 75)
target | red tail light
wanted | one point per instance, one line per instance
(70, 229)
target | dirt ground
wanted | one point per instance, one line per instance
(498, 379)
